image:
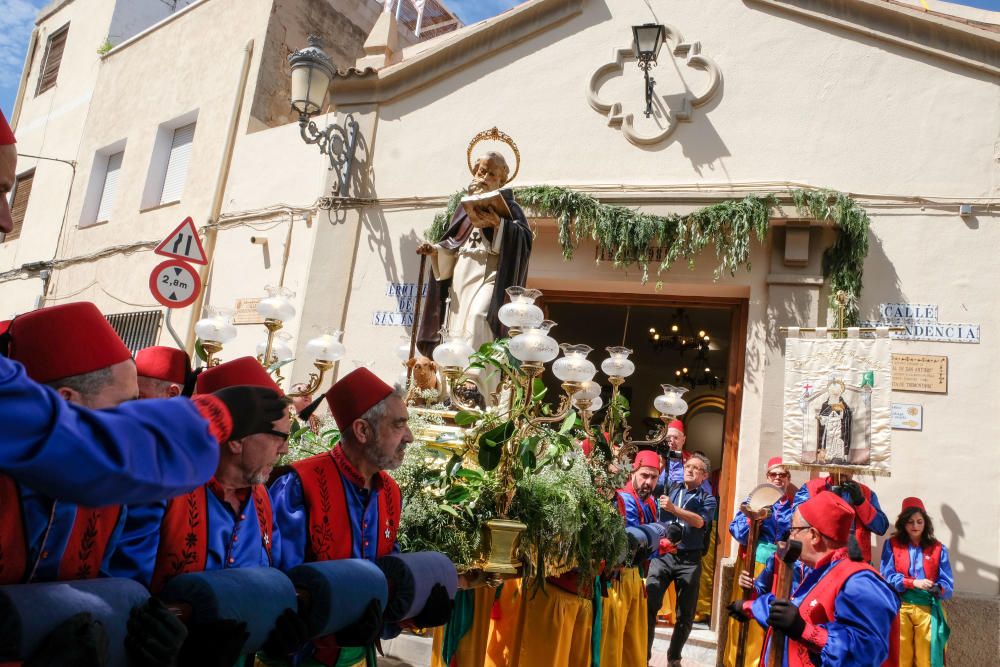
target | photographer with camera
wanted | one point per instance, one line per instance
(688, 505)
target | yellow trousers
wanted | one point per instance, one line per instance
(540, 629)
(703, 611)
(755, 633)
(914, 635)
(472, 648)
(623, 622)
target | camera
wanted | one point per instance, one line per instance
(664, 450)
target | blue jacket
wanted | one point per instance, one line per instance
(138, 452)
(698, 501)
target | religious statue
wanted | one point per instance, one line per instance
(480, 255)
(833, 439)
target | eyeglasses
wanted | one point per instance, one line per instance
(778, 475)
(794, 528)
(283, 436)
(695, 468)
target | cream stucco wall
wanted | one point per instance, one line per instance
(800, 102)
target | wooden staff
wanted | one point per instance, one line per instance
(415, 328)
(746, 564)
(784, 568)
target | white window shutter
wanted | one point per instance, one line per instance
(110, 190)
(177, 164)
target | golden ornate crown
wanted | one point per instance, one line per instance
(494, 134)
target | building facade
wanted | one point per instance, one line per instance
(893, 104)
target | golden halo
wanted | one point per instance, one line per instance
(494, 134)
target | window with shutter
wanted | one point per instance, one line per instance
(110, 190)
(177, 164)
(19, 204)
(53, 57)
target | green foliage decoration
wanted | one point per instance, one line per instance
(634, 238)
(304, 442)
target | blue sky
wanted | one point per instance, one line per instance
(18, 16)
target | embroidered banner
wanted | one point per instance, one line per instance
(837, 403)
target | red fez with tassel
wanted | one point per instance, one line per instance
(163, 363)
(647, 458)
(774, 462)
(6, 134)
(64, 341)
(354, 394)
(913, 501)
(241, 371)
(830, 515)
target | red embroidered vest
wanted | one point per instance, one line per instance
(818, 608)
(901, 559)
(331, 535)
(88, 539)
(184, 533)
(861, 533)
(649, 502)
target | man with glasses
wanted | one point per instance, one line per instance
(225, 523)
(771, 530)
(843, 612)
(688, 505)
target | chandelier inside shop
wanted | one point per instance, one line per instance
(681, 337)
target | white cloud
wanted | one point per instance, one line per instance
(16, 21)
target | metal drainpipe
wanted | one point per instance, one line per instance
(220, 191)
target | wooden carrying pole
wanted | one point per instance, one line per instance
(746, 564)
(415, 328)
(784, 568)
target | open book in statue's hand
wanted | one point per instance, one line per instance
(490, 201)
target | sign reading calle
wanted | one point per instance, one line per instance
(920, 322)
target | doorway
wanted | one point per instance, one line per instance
(698, 343)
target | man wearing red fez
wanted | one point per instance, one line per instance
(869, 517)
(226, 523)
(918, 567)
(771, 530)
(623, 643)
(162, 371)
(842, 613)
(8, 173)
(692, 508)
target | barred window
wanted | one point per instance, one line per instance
(137, 330)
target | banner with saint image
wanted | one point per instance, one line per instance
(837, 412)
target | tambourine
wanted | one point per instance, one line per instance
(763, 496)
(494, 134)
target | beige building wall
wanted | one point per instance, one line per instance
(910, 133)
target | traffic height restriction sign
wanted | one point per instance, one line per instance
(174, 283)
(183, 243)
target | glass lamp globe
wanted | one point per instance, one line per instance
(312, 70)
(618, 364)
(326, 347)
(596, 404)
(454, 352)
(574, 365)
(280, 349)
(589, 390)
(521, 313)
(216, 326)
(277, 305)
(403, 349)
(535, 345)
(670, 401)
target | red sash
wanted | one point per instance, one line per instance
(629, 490)
(85, 549)
(184, 534)
(901, 559)
(331, 536)
(818, 608)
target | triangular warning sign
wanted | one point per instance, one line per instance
(183, 243)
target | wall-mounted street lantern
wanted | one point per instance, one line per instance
(648, 38)
(312, 71)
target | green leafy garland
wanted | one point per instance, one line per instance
(632, 237)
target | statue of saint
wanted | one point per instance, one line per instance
(480, 255)
(833, 439)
